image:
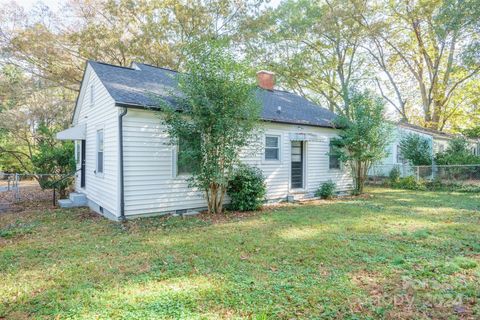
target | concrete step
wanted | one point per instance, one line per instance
(78, 199)
(65, 203)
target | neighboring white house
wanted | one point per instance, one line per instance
(438, 141)
(128, 168)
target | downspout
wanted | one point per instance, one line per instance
(122, 187)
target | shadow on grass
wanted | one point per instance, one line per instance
(291, 262)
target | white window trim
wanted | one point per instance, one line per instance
(328, 155)
(99, 174)
(279, 136)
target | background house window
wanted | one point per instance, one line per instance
(99, 151)
(272, 148)
(400, 158)
(333, 159)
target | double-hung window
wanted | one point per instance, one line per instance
(184, 166)
(333, 159)
(400, 158)
(99, 151)
(272, 147)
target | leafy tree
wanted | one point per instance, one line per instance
(54, 47)
(218, 115)
(55, 159)
(473, 133)
(422, 49)
(34, 105)
(416, 149)
(364, 138)
(313, 46)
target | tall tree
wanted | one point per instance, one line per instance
(365, 136)
(55, 44)
(313, 46)
(219, 114)
(420, 47)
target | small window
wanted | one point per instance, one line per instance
(92, 95)
(333, 159)
(99, 151)
(400, 158)
(184, 165)
(272, 148)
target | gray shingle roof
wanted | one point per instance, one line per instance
(142, 85)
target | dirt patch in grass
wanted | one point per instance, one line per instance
(29, 197)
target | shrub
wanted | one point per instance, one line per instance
(247, 189)
(326, 190)
(457, 152)
(409, 183)
(394, 174)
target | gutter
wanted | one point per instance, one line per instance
(122, 184)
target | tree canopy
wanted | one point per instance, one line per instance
(421, 57)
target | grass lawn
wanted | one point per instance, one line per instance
(395, 254)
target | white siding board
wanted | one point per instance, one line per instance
(148, 165)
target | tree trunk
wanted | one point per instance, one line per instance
(215, 196)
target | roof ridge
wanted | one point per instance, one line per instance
(110, 64)
(156, 67)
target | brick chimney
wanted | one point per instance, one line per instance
(266, 79)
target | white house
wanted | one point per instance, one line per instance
(127, 167)
(438, 141)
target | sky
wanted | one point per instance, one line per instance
(29, 3)
(56, 3)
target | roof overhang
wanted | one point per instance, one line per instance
(75, 133)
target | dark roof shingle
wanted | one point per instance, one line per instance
(142, 85)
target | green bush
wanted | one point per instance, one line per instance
(409, 183)
(457, 152)
(247, 189)
(326, 190)
(394, 174)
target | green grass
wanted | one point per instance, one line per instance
(396, 254)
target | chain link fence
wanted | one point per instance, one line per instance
(21, 191)
(449, 174)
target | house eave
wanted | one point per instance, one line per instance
(156, 108)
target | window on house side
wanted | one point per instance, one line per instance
(400, 158)
(333, 159)
(100, 151)
(184, 166)
(272, 148)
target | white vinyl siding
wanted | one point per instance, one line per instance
(92, 95)
(101, 189)
(152, 186)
